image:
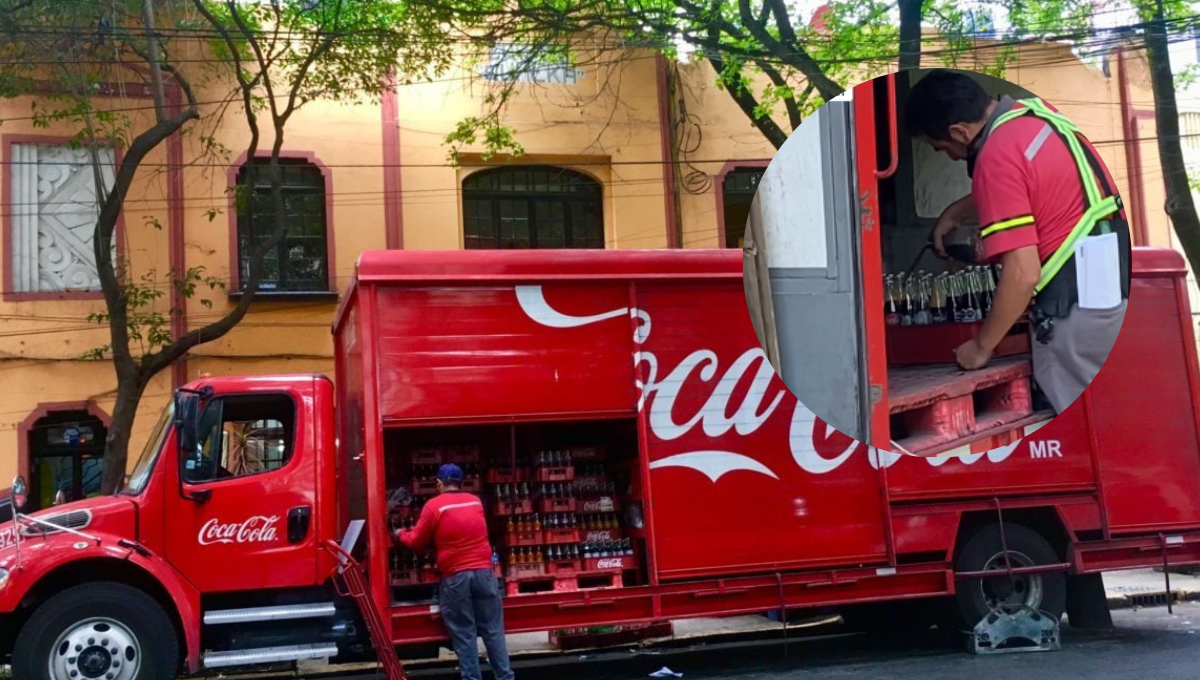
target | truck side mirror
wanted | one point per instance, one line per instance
(20, 494)
(188, 432)
(187, 424)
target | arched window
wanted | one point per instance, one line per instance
(300, 262)
(532, 207)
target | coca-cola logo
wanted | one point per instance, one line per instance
(816, 448)
(600, 536)
(257, 529)
(609, 563)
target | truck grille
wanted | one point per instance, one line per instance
(75, 519)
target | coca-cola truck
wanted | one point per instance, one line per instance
(640, 459)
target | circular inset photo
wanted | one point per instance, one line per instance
(937, 263)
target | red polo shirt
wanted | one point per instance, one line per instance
(455, 522)
(1031, 195)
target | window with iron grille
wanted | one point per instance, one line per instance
(532, 207)
(299, 262)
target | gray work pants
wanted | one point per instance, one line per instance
(470, 606)
(1065, 366)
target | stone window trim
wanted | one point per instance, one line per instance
(719, 191)
(234, 282)
(8, 291)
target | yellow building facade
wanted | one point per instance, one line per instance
(626, 152)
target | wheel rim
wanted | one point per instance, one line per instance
(96, 648)
(1011, 592)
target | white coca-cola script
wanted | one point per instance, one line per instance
(609, 564)
(257, 529)
(814, 446)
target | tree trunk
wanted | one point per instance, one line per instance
(1180, 207)
(910, 34)
(130, 387)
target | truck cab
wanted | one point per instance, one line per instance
(220, 525)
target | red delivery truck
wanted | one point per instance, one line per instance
(640, 458)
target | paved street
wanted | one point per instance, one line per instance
(1149, 643)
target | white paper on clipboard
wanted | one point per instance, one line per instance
(1098, 272)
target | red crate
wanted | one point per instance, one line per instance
(562, 583)
(429, 576)
(553, 536)
(610, 563)
(406, 578)
(563, 567)
(558, 505)
(603, 504)
(594, 535)
(588, 453)
(522, 538)
(935, 344)
(424, 488)
(472, 485)
(463, 456)
(566, 640)
(504, 475)
(520, 572)
(590, 480)
(426, 457)
(505, 508)
(556, 474)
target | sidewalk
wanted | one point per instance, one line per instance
(1125, 589)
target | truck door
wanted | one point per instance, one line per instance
(808, 212)
(243, 517)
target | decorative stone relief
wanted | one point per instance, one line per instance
(55, 207)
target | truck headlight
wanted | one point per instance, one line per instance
(3, 577)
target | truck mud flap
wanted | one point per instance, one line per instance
(1022, 630)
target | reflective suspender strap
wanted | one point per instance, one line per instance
(1096, 206)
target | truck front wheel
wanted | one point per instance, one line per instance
(1046, 591)
(105, 631)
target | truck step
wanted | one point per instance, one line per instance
(250, 657)
(257, 614)
(932, 407)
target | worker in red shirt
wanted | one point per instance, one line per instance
(468, 596)
(1048, 214)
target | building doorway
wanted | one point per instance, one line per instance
(66, 457)
(737, 194)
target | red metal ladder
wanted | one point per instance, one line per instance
(356, 587)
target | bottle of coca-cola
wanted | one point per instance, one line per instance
(891, 309)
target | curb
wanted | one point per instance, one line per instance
(1152, 598)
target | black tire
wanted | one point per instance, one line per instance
(1025, 545)
(140, 614)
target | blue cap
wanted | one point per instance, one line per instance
(450, 473)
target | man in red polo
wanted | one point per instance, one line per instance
(1028, 192)
(468, 597)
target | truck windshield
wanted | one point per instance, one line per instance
(154, 445)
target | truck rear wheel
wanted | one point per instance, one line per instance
(104, 631)
(985, 552)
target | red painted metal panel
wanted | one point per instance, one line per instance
(872, 259)
(1150, 462)
(727, 487)
(479, 352)
(926, 532)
